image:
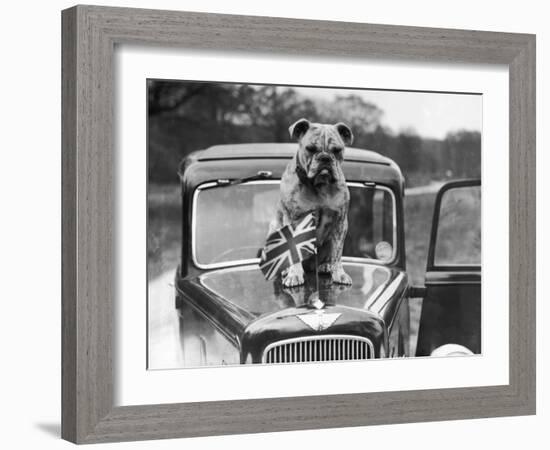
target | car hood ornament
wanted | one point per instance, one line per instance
(318, 319)
(315, 302)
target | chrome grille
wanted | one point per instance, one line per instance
(318, 348)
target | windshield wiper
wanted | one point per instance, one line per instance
(261, 175)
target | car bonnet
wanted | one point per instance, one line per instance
(247, 289)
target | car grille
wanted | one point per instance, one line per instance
(319, 348)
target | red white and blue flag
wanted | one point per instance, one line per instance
(288, 246)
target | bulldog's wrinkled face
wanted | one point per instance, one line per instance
(321, 149)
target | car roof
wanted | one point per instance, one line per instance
(243, 160)
(277, 150)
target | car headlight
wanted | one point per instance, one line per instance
(451, 350)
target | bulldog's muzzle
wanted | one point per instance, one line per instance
(323, 170)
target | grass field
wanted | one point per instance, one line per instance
(164, 228)
(164, 237)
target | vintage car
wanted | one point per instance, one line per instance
(229, 313)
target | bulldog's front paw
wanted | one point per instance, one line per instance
(294, 276)
(340, 276)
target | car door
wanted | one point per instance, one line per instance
(450, 321)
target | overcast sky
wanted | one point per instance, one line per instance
(430, 114)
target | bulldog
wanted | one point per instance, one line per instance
(314, 182)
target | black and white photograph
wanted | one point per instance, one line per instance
(293, 224)
(268, 225)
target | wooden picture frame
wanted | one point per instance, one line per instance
(90, 34)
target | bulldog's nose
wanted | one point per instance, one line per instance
(324, 158)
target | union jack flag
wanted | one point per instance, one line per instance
(288, 246)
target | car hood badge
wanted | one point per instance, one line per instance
(319, 320)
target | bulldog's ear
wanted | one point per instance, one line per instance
(298, 129)
(345, 133)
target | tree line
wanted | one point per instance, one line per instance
(188, 116)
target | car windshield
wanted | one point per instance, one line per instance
(231, 222)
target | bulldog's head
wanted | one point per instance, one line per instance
(321, 149)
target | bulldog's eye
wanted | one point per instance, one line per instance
(311, 148)
(337, 150)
